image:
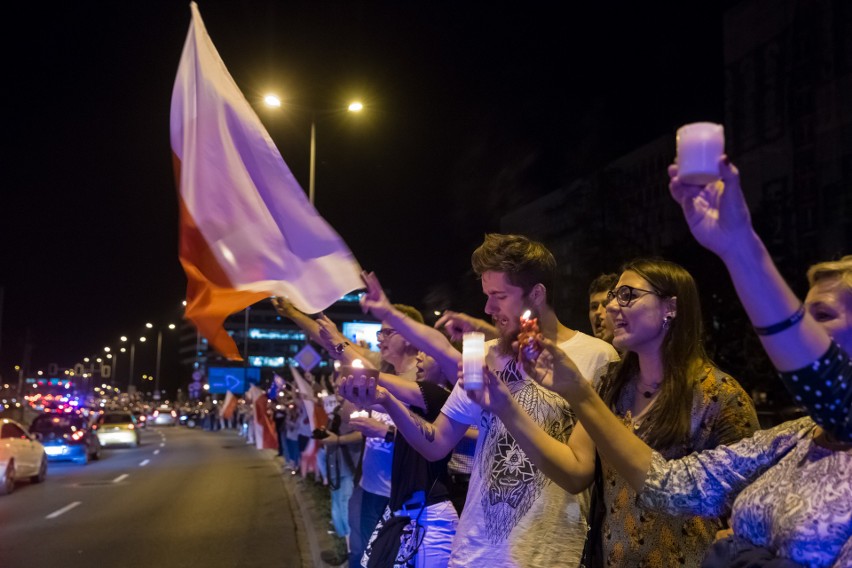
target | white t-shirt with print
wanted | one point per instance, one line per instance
(515, 516)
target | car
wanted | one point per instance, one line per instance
(141, 418)
(67, 437)
(164, 416)
(118, 428)
(21, 456)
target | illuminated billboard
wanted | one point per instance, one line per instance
(234, 379)
(362, 331)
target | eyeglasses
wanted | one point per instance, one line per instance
(625, 295)
(385, 333)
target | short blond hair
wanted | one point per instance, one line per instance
(832, 269)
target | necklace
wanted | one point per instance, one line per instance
(647, 390)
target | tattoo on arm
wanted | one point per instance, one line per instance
(426, 429)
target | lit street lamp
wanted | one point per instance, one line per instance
(273, 101)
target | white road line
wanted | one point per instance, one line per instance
(156, 452)
(121, 478)
(63, 510)
(144, 463)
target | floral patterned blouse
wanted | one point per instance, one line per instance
(785, 492)
(632, 536)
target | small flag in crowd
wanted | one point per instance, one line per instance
(247, 230)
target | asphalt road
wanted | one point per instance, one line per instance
(184, 498)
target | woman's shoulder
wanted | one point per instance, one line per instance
(717, 385)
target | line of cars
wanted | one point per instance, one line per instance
(24, 452)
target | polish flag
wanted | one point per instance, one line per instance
(247, 230)
(229, 406)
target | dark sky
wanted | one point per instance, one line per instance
(471, 108)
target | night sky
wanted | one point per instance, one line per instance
(471, 109)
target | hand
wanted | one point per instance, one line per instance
(456, 324)
(361, 391)
(563, 378)
(284, 306)
(717, 214)
(375, 301)
(494, 396)
(329, 335)
(370, 427)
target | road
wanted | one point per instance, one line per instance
(184, 498)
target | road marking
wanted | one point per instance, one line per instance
(144, 463)
(63, 510)
(121, 478)
(156, 452)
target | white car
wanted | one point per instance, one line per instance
(21, 456)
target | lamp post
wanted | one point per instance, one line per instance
(159, 355)
(132, 359)
(274, 101)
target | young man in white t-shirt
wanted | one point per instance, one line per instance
(514, 515)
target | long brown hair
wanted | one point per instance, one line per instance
(682, 352)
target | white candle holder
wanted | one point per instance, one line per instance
(473, 359)
(699, 147)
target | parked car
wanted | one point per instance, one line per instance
(21, 456)
(164, 416)
(67, 437)
(118, 428)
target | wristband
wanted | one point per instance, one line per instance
(781, 326)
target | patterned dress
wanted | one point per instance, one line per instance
(790, 495)
(632, 536)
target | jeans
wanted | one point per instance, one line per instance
(372, 508)
(433, 529)
(340, 505)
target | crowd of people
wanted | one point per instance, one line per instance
(626, 446)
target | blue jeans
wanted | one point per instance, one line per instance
(372, 507)
(340, 505)
(432, 531)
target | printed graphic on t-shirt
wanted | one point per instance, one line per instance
(511, 483)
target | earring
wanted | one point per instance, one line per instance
(667, 322)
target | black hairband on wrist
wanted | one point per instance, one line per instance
(781, 326)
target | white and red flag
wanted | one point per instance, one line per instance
(247, 230)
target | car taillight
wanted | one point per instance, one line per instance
(78, 435)
(174, 414)
(131, 426)
(156, 413)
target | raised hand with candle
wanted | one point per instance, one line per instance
(717, 213)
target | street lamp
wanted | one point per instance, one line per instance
(273, 101)
(159, 354)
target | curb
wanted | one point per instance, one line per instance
(309, 546)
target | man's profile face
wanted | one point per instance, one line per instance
(505, 304)
(597, 317)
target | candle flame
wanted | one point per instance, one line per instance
(357, 364)
(526, 315)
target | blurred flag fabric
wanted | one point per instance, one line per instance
(308, 460)
(247, 230)
(265, 436)
(229, 406)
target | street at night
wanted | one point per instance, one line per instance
(184, 498)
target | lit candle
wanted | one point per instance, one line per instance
(357, 364)
(473, 358)
(356, 369)
(699, 147)
(359, 414)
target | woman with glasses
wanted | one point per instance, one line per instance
(666, 392)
